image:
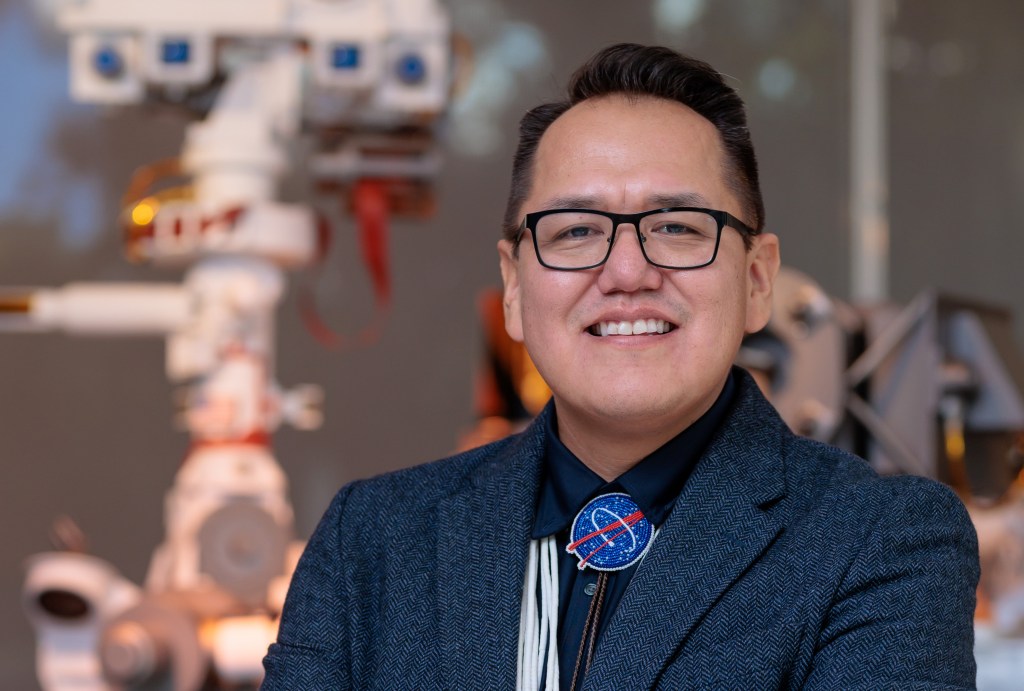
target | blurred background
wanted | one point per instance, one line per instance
(86, 422)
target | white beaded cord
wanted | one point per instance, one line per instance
(537, 639)
(528, 614)
(551, 611)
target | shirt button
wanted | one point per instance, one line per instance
(590, 589)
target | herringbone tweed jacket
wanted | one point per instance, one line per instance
(784, 564)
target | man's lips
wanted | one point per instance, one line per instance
(631, 327)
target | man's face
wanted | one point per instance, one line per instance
(620, 156)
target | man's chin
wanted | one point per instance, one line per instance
(628, 411)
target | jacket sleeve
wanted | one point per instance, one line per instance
(903, 615)
(312, 650)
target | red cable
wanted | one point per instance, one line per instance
(370, 204)
(371, 208)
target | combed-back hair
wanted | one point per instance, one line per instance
(637, 71)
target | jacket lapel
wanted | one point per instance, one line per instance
(725, 518)
(483, 537)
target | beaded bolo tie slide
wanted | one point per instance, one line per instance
(610, 533)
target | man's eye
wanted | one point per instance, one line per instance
(578, 232)
(676, 229)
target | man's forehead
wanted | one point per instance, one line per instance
(597, 126)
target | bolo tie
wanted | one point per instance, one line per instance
(610, 533)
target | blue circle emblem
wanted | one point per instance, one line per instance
(610, 533)
(108, 62)
(411, 69)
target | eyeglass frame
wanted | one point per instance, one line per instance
(722, 218)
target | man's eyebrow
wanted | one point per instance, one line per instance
(664, 201)
(657, 201)
(571, 202)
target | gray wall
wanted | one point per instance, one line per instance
(86, 423)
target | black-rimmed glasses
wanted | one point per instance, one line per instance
(680, 237)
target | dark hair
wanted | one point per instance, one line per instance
(636, 71)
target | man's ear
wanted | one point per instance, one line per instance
(511, 301)
(762, 267)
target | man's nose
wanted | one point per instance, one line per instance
(627, 269)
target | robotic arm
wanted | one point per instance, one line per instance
(366, 80)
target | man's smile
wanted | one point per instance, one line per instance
(635, 327)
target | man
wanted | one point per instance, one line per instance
(657, 526)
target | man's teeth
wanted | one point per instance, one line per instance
(634, 328)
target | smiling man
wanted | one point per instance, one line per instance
(657, 526)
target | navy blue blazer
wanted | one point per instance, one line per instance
(785, 564)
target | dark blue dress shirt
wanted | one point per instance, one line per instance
(566, 487)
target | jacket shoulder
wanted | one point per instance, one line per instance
(817, 472)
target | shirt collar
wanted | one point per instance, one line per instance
(653, 483)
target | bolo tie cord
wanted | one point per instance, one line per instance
(590, 628)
